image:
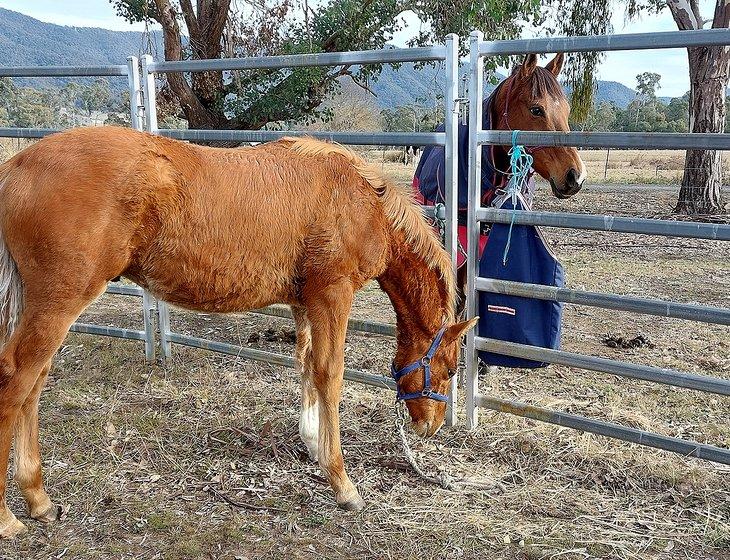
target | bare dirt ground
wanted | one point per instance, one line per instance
(199, 457)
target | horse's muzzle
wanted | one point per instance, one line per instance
(426, 428)
(572, 184)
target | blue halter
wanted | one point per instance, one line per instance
(424, 363)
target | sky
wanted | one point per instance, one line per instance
(619, 66)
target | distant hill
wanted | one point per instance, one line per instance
(26, 41)
(402, 86)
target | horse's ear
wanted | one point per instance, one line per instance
(457, 330)
(528, 65)
(556, 64)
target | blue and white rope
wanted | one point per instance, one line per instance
(520, 163)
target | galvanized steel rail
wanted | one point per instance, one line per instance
(273, 358)
(352, 138)
(665, 376)
(645, 306)
(382, 56)
(620, 42)
(476, 214)
(608, 429)
(602, 222)
(63, 71)
(10, 132)
(100, 330)
(359, 325)
(632, 140)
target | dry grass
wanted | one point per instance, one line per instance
(624, 166)
(638, 166)
(10, 146)
(199, 458)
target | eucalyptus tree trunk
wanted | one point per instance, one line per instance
(701, 191)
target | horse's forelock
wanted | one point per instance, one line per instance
(541, 82)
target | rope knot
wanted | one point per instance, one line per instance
(520, 162)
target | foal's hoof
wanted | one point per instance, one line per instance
(356, 503)
(12, 528)
(47, 514)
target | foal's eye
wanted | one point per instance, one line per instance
(452, 373)
(537, 111)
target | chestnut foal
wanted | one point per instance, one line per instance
(297, 221)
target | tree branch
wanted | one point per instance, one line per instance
(191, 20)
(213, 26)
(683, 14)
(173, 51)
(360, 84)
(721, 20)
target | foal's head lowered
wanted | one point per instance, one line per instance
(423, 369)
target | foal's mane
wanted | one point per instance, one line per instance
(399, 207)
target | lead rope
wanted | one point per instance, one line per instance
(442, 480)
(401, 417)
(520, 163)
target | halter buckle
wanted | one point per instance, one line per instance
(426, 361)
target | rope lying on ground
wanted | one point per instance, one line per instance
(443, 480)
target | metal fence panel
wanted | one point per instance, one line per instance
(449, 53)
(131, 71)
(476, 214)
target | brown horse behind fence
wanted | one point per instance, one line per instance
(298, 221)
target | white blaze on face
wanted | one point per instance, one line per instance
(309, 428)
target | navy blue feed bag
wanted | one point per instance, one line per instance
(516, 319)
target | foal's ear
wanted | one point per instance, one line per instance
(556, 64)
(457, 330)
(528, 65)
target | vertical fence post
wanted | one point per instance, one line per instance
(135, 92)
(150, 95)
(135, 108)
(451, 150)
(476, 86)
(150, 125)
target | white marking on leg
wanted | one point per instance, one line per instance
(309, 428)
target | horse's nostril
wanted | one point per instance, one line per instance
(571, 177)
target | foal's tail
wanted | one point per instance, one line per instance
(11, 285)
